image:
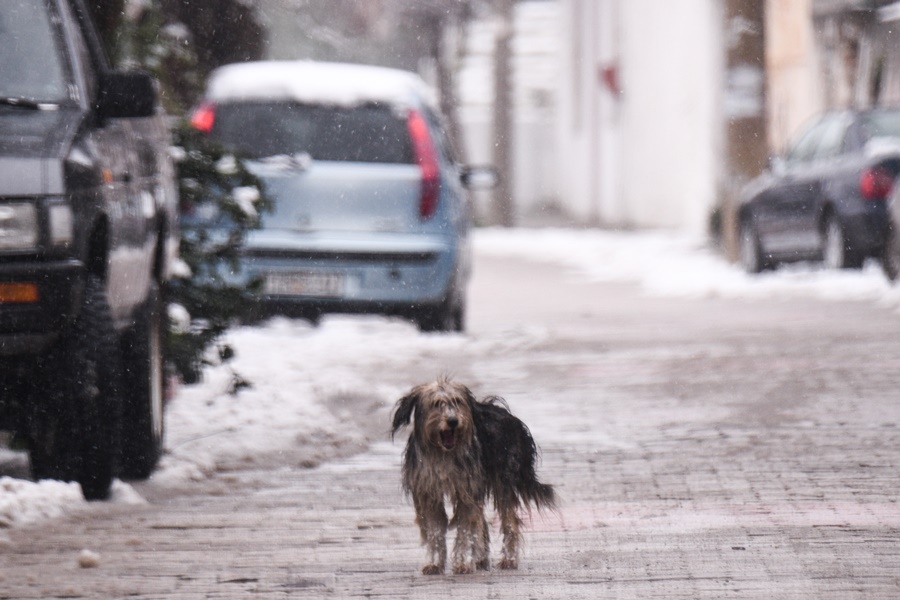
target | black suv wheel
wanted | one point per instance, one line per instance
(76, 414)
(142, 371)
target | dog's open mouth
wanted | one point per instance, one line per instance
(448, 439)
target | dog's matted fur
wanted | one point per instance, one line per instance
(465, 451)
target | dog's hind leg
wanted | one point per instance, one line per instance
(432, 520)
(482, 546)
(510, 524)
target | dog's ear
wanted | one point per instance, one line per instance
(404, 410)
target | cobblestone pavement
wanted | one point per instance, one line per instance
(702, 449)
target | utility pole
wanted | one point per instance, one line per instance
(504, 210)
(746, 140)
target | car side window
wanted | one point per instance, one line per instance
(805, 148)
(831, 143)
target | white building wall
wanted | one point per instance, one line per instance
(588, 127)
(535, 85)
(649, 156)
(670, 112)
(795, 92)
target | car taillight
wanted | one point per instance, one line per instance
(876, 183)
(426, 158)
(204, 117)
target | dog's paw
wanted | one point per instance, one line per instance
(463, 569)
(483, 565)
(432, 570)
(509, 564)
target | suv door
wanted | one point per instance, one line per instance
(120, 195)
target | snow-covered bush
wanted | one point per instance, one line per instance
(215, 181)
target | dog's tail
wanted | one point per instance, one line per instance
(541, 495)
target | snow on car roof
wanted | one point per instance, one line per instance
(311, 82)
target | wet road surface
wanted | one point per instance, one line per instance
(702, 448)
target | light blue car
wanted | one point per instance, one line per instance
(371, 211)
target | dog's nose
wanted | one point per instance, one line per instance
(452, 422)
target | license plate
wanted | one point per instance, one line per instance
(305, 284)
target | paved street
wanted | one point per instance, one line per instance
(701, 448)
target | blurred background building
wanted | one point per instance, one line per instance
(625, 113)
(667, 107)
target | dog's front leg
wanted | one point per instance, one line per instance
(469, 551)
(432, 520)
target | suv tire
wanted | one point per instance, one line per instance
(143, 376)
(74, 427)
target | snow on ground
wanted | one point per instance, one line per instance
(673, 264)
(307, 385)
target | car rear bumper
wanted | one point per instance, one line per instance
(385, 274)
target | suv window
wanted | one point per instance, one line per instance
(31, 65)
(370, 133)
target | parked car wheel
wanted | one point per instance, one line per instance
(74, 428)
(143, 373)
(890, 257)
(835, 253)
(448, 316)
(750, 249)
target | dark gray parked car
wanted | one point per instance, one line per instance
(826, 199)
(88, 226)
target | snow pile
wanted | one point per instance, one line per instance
(307, 397)
(24, 502)
(681, 265)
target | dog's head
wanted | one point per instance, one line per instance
(443, 414)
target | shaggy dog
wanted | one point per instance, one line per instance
(466, 450)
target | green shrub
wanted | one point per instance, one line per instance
(210, 178)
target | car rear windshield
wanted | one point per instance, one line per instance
(31, 66)
(371, 133)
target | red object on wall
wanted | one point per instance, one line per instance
(609, 76)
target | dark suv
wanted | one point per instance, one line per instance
(87, 237)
